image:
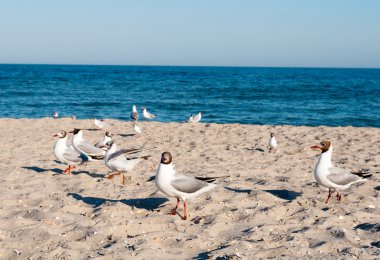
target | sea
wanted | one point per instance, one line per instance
(245, 95)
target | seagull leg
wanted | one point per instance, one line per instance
(122, 178)
(329, 196)
(174, 211)
(338, 197)
(112, 174)
(67, 169)
(70, 168)
(184, 211)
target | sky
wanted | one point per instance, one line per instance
(268, 33)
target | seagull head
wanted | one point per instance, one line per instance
(166, 158)
(109, 134)
(75, 131)
(324, 146)
(271, 134)
(60, 134)
(142, 108)
(109, 144)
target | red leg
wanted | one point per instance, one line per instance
(174, 211)
(329, 196)
(184, 211)
(338, 196)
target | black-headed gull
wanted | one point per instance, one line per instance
(179, 185)
(55, 114)
(146, 114)
(66, 153)
(272, 143)
(196, 118)
(102, 144)
(100, 123)
(123, 160)
(89, 150)
(134, 114)
(331, 177)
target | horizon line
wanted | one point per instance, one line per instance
(199, 66)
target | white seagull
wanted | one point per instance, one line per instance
(146, 114)
(55, 114)
(66, 154)
(331, 177)
(102, 144)
(123, 160)
(272, 143)
(179, 185)
(134, 114)
(100, 123)
(137, 129)
(196, 118)
(89, 150)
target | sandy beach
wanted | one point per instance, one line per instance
(269, 207)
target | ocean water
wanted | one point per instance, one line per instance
(291, 96)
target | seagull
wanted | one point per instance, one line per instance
(137, 129)
(123, 160)
(102, 144)
(331, 177)
(89, 150)
(66, 154)
(55, 114)
(146, 114)
(196, 118)
(180, 185)
(100, 123)
(272, 143)
(134, 114)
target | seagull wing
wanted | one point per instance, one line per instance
(72, 156)
(342, 177)
(187, 184)
(91, 149)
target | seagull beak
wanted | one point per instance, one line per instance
(71, 132)
(316, 147)
(56, 135)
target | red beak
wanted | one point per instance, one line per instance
(316, 147)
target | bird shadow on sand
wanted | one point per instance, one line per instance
(206, 254)
(238, 190)
(92, 129)
(377, 188)
(284, 194)
(144, 203)
(91, 174)
(126, 135)
(41, 170)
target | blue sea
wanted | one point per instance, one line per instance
(278, 96)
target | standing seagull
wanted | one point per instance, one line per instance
(272, 143)
(89, 150)
(196, 118)
(100, 123)
(146, 114)
(55, 114)
(134, 114)
(331, 177)
(66, 154)
(137, 129)
(180, 185)
(102, 144)
(123, 160)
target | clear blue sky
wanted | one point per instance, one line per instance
(297, 33)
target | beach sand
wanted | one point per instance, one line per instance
(270, 206)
